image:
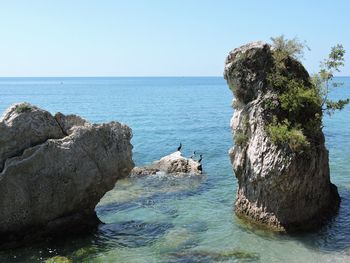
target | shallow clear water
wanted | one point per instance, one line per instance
(169, 219)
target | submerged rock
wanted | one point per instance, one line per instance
(131, 234)
(173, 163)
(277, 186)
(55, 169)
(177, 239)
(58, 259)
(213, 256)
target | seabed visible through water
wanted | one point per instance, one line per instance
(175, 219)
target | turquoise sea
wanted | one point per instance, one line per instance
(169, 219)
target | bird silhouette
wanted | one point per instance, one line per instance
(193, 155)
(179, 148)
(200, 158)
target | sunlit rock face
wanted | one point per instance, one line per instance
(277, 187)
(174, 164)
(55, 169)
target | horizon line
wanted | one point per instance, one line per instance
(130, 76)
(115, 76)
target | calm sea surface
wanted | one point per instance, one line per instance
(167, 219)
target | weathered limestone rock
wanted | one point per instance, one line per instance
(68, 122)
(173, 163)
(277, 187)
(54, 170)
(19, 131)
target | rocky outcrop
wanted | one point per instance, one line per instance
(173, 163)
(19, 130)
(55, 169)
(277, 187)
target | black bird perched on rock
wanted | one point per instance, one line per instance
(179, 148)
(200, 158)
(193, 155)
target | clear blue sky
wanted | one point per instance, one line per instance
(157, 37)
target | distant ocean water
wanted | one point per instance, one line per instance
(168, 219)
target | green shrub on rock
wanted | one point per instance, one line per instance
(24, 107)
(300, 100)
(297, 140)
(283, 133)
(241, 138)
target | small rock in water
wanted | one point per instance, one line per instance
(173, 163)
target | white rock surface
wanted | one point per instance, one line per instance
(173, 163)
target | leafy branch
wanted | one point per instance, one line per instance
(324, 79)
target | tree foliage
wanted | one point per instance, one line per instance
(301, 100)
(324, 79)
(289, 47)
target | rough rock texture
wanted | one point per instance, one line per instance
(173, 163)
(277, 187)
(19, 131)
(54, 170)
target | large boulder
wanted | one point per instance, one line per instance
(174, 163)
(55, 169)
(278, 186)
